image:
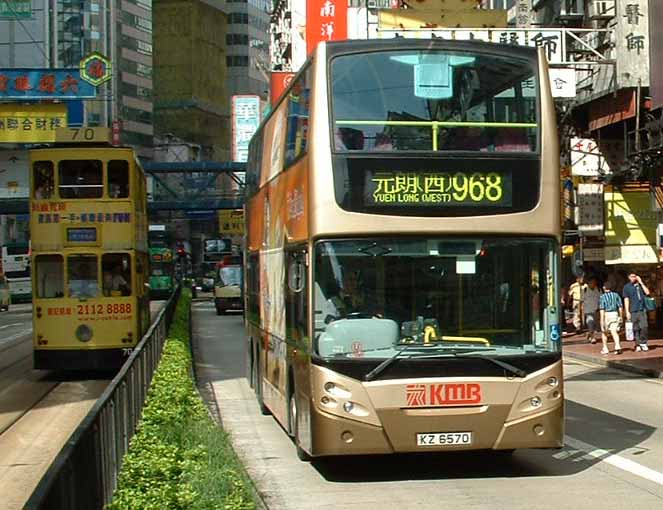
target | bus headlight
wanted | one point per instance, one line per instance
(84, 333)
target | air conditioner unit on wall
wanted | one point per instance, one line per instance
(602, 9)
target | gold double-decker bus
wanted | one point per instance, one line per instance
(88, 224)
(402, 254)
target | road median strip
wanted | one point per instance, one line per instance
(179, 458)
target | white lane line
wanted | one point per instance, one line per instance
(12, 325)
(616, 460)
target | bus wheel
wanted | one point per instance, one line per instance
(293, 428)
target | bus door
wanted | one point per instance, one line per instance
(296, 306)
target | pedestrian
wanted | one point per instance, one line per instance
(590, 308)
(611, 312)
(635, 292)
(575, 297)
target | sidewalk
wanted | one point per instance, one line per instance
(649, 363)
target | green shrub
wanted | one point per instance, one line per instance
(179, 458)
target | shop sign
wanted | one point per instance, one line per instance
(590, 209)
(44, 84)
(245, 122)
(231, 221)
(586, 158)
(593, 254)
(95, 69)
(551, 40)
(326, 20)
(16, 9)
(279, 81)
(562, 81)
(630, 228)
(36, 123)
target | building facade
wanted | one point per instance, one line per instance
(59, 34)
(247, 43)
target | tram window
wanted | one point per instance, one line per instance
(116, 274)
(118, 179)
(42, 178)
(49, 276)
(83, 277)
(81, 178)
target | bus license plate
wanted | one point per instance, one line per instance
(444, 439)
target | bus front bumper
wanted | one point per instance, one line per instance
(339, 436)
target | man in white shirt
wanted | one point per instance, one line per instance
(590, 301)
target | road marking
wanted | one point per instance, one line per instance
(596, 366)
(615, 460)
(12, 325)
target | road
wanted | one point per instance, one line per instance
(613, 457)
(39, 409)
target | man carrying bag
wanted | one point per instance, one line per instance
(636, 305)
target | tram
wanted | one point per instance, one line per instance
(88, 221)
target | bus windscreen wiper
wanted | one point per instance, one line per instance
(382, 366)
(518, 372)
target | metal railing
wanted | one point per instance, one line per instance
(83, 475)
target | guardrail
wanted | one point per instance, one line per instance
(83, 476)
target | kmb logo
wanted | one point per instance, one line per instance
(419, 395)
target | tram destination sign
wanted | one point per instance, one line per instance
(439, 189)
(82, 235)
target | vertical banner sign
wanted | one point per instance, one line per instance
(245, 122)
(115, 133)
(279, 81)
(326, 20)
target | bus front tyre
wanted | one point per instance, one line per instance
(293, 426)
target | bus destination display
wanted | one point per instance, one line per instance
(439, 189)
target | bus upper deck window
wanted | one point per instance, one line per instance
(83, 277)
(49, 276)
(118, 179)
(116, 274)
(81, 178)
(43, 183)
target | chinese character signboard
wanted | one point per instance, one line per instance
(586, 158)
(16, 9)
(632, 43)
(326, 20)
(562, 81)
(630, 228)
(231, 221)
(551, 40)
(279, 81)
(44, 84)
(590, 209)
(95, 69)
(245, 122)
(36, 123)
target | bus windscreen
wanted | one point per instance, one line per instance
(433, 100)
